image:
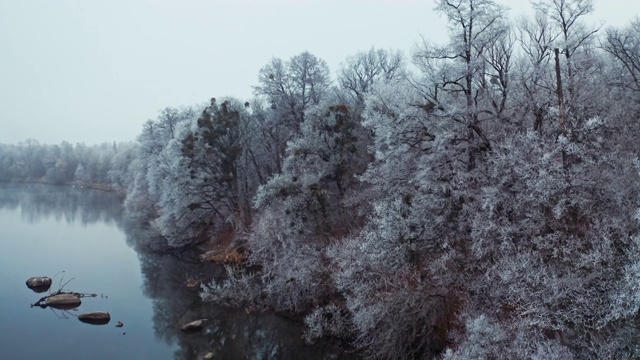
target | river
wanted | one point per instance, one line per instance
(78, 237)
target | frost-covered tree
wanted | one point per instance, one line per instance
(270, 138)
(288, 89)
(122, 167)
(527, 242)
(396, 309)
(31, 160)
(6, 162)
(534, 248)
(360, 72)
(535, 72)
(573, 36)
(151, 165)
(467, 79)
(319, 169)
(624, 46)
(563, 255)
(210, 177)
(491, 217)
(576, 62)
(305, 206)
(294, 85)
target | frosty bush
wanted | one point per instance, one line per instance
(326, 321)
(238, 289)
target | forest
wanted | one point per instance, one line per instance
(477, 199)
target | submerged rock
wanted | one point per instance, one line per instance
(63, 301)
(193, 326)
(95, 318)
(39, 283)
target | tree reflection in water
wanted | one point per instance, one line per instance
(228, 333)
(71, 204)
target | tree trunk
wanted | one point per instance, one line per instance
(563, 115)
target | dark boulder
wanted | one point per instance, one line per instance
(39, 284)
(63, 301)
(95, 318)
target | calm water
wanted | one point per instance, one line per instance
(77, 236)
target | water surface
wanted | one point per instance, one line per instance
(78, 237)
(74, 236)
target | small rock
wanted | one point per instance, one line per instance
(95, 318)
(63, 301)
(120, 324)
(193, 326)
(39, 283)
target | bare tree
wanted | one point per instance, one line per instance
(293, 85)
(536, 38)
(624, 46)
(566, 16)
(459, 69)
(361, 71)
(496, 80)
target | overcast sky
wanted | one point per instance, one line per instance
(95, 71)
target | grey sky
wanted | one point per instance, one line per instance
(95, 71)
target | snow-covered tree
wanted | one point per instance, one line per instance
(396, 308)
(535, 74)
(467, 79)
(534, 248)
(294, 85)
(361, 72)
(151, 165)
(210, 177)
(623, 44)
(305, 206)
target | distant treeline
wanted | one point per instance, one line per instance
(480, 204)
(106, 166)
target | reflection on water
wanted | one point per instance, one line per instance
(74, 236)
(73, 204)
(228, 333)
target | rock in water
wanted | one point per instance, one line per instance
(63, 301)
(39, 283)
(95, 318)
(193, 326)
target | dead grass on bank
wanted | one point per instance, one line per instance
(226, 256)
(223, 251)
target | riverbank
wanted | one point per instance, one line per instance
(94, 186)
